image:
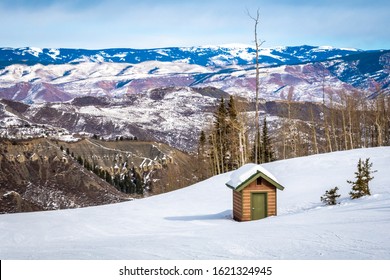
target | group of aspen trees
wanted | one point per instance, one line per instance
(345, 121)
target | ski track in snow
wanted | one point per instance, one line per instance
(196, 223)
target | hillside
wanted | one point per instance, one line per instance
(195, 222)
(44, 174)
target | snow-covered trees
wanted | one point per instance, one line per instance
(363, 176)
(330, 196)
(360, 187)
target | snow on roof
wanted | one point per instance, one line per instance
(238, 177)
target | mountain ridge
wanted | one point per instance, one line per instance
(202, 55)
(57, 75)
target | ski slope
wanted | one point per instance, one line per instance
(195, 222)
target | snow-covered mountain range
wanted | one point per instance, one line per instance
(169, 94)
(301, 73)
(204, 56)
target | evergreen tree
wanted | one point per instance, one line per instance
(139, 188)
(87, 165)
(232, 135)
(330, 196)
(232, 111)
(80, 160)
(116, 181)
(202, 143)
(226, 142)
(266, 151)
(363, 175)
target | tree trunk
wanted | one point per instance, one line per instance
(257, 44)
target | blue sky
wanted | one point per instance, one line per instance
(165, 23)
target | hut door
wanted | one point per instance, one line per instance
(258, 206)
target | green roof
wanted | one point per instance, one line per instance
(254, 177)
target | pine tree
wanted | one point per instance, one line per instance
(267, 154)
(80, 160)
(225, 145)
(232, 111)
(265, 151)
(202, 143)
(330, 196)
(137, 181)
(363, 175)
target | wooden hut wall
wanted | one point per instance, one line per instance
(237, 205)
(246, 198)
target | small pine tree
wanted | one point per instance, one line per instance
(202, 143)
(80, 160)
(363, 176)
(330, 196)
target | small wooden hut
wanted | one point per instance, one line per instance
(254, 193)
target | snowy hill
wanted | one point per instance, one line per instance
(195, 222)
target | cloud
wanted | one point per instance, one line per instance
(47, 4)
(147, 23)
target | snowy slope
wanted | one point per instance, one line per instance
(195, 222)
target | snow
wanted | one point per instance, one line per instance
(68, 138)
(34, 51)
(196, 223)
(53, 53)
(245, 172)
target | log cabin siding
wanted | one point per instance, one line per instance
(237, 205)
(243, 213)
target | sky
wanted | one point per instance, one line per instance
(99, 24)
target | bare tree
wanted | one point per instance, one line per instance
(313, 127)
(258, 44)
